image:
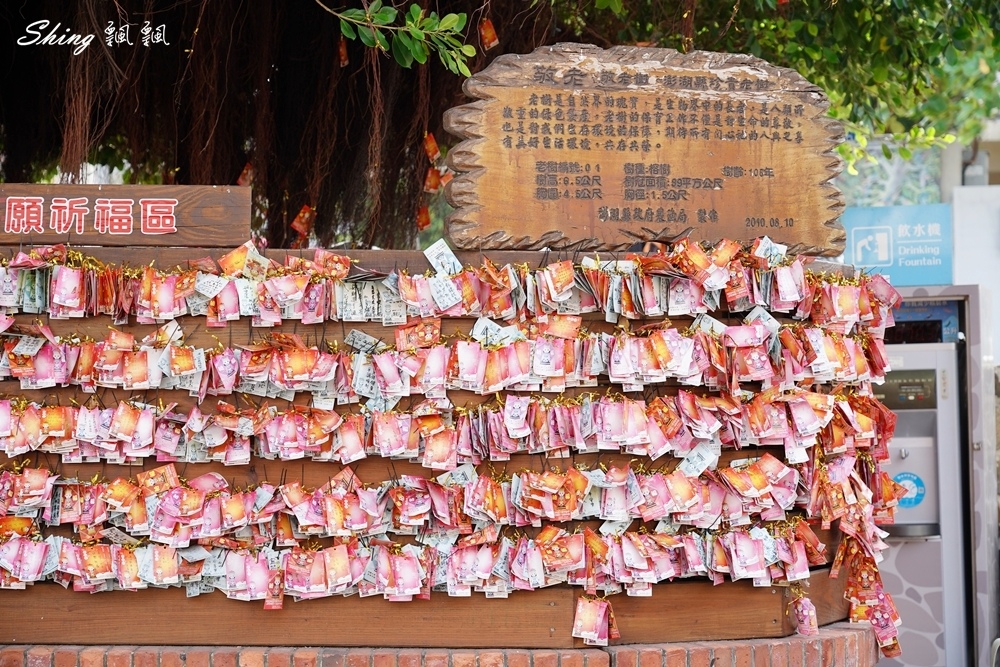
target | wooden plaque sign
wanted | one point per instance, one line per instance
(574, 146)
(124, 215)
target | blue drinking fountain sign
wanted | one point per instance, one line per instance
(911, 245)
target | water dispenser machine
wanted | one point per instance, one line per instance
(925, 569)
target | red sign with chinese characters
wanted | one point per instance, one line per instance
(117, 215)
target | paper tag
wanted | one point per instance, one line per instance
(442, 258)
(382, 403)
(254, 388)
(200, 363)
(764, 317)
(444, 292)
(614, 527)
(256, 265)
(393, 308)
(486, 331)
(246, 290)
(197, 304)
(709, 325)
(770, 251)
(28, 346)
(119, 536)
(209, 285)
(364, 382)
(698, 460)
(362, 342)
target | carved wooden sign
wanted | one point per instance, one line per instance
(124, 215)
(573, 146)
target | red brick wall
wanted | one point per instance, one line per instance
(837, 645)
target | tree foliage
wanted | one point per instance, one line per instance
(917, 70)
(413, 41)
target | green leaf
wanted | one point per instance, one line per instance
(462, 18)
(375, 6)
(464, 69)
(383, 43)
(448, 22)
(346, 30)
(886, 152)
(419, 51)
(880, 73)
(417, 34)
(905, 153)
(353, 14)
(447, 60)
(950, 54)
(385, 16)
(415, 12)
(401, 51)
(367, 36)
(468, 50)
(812, 28)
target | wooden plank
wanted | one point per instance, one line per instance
(49, 614)
(828, 595)
(161, 257)
(125, 215)
(576, 146)
(696, 610)
(677, 611)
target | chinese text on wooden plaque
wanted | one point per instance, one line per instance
(574, 146)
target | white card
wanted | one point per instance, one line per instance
(28, 346)
(698, 460)
(442, 258)
(393, 308)
(247, 292)
(363, 342)
(486, 331)
(444, 292)
(209, 285)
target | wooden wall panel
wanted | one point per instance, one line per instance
(684, 610)
(679, 611)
